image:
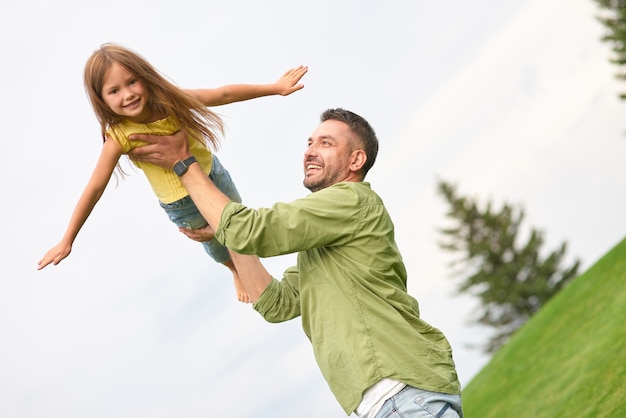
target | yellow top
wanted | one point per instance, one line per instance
(165, 183)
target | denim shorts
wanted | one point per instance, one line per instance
(184, 212)
(412, 402)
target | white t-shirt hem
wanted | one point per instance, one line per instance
(376, 395)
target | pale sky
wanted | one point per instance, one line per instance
(513, 101)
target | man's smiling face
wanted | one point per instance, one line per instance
(329, 156)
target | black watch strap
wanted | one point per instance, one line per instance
(181, 167)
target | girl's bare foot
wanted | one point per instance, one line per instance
(242, 295)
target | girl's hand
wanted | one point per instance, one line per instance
(55, 255)
(288, 83)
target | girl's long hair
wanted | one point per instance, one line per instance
(163, 96)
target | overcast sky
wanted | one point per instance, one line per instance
(512, 101)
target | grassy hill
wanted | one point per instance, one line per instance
(569, 360)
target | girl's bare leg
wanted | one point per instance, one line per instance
(240, 290)
(252, 275)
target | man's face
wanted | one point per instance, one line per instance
(328, 157)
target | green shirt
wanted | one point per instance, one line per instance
(349, 286)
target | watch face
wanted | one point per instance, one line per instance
(180, 168)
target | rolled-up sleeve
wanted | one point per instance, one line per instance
(325, 218)
(280, 301)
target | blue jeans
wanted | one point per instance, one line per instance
(412, 402)
(184, 212)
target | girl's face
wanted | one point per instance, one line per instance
(125, 94)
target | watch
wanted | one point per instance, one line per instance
(181, 167)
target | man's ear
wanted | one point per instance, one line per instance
(357, 160)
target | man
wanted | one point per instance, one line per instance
(349, 285)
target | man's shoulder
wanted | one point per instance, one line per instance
(351, 185)
(350, 190)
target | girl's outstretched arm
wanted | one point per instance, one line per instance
(109, 157)
(285, 85)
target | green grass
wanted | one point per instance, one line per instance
(569, 360)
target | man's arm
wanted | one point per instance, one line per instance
(166, 151)
(211, 202)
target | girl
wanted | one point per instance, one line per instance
(130, 96)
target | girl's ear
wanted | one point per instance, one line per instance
(357, 160)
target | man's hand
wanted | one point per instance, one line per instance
(161, 150)
(203, 234)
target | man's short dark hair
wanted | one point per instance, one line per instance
(361, 128)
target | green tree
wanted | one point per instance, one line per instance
(512, 280)
(613, 17)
